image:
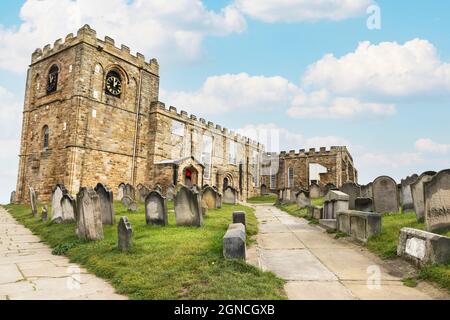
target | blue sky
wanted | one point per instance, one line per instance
(248, 64)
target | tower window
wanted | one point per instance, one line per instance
(45, 136)
(52, 81)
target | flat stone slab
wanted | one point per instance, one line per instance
(9, 273)
(270, 241)
(392, 290)
(273, 227)
(317, 290)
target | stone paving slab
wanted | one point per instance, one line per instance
(318, 290)
(279, 241)
(29, 271)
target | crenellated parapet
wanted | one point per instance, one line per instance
(89, 36)
(323, 151)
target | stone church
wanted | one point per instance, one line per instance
(91, 114)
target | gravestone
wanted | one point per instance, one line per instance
(57, 194)
(353, 191)
(230, 195)
(315, 191)
(170, 192)
(364, 204)
(143, 192)
(33, 201)
(263, 189)
(126, 200)
(234, 242)
(156, 209)
(406, 193)
(437, 202)
(68, 208)
(125, 234)
(44, 214)
(121, 191)
(132, 206)
(366, 191)
(218, 199)
(303, 199)
(188, 210)
(334, 202)
(12, 199)
(328, 187)
(239, 217)
(129, 191)
(89, 218)
(418, 195)
(385, 195)
(210, 198)
(106, 203)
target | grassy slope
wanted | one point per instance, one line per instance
(268, 198)
(165, 262)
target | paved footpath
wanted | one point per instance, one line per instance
(318, 267)
(28, 270)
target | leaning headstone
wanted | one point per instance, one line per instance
(230, 195)
(315, 191)
(44, 214)
(303, 199)
(143, 192)
(210, 198)
(418, 195)
(12, 199)
(353, 191)
(239, 217)
(406, 193)
(385, 195)
(121, 191)
(188, 211)
(68, 209)
(106, 203)
(364, 204)
(437, 202)
(89, 218)
(234, 242)
(334, 202)
(33, 201)
(57, 194)
(156, 209)
(125, 234)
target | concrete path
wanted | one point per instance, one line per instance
(28, 270)
(319, 267)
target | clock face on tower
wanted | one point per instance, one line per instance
(113, 84)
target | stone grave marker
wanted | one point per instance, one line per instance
(33, 201)
(125, 234)
(418, 195)
(156, 209)
(366, 191)
(239, 217)
(188, 211)
(210, 198)
(57, 194)
(315, 191)
(106, 203)
(334, 202)
(353, 191)
(121, 191)
(129, 191)
(230, 195)
(437, 202)
(89, 218)
(170, 192)
(68, 208)
(143, 192)
(406, 192)
(385, 195)
(44, 214)
(303, 199)
(364, 204)
(12, 199)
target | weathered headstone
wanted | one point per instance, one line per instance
(328, 187)
(315, 191)
(418, 195)
(126, 200)
(132, 206)
(437, 202)
(364, 204)
(129, 191)
(315, 212)
(234, 242)
(12, 199)
(57, 194)
(334, 202)
(188, 211)
(366, 191)
(121, 191)
(106, 203)
(406, 193)
(44, 214)
(303, 199)
(156, 209)
(68, 208)
(125, 234)
(33, 201)
(143, 192)
(210, 198)
(359, 225)
(89, 218)
(218, 199)
(170, 192)
(385, 195)
(354, 191)
(239, 217)
(230, 195)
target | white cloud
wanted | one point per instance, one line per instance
(430, 146)
(302, 10)
(10, 115)
(387, 69)
(163, 29)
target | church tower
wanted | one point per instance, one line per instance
(84, 117)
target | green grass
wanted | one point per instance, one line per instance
(165, 262)
(267, 198)
(293, 210)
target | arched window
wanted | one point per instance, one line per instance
(52, 80)
(45, 136)
(113, 84)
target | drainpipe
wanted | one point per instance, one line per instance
(136, 128)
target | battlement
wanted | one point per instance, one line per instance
(313, 152)
(201, 122)
(89, 36)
